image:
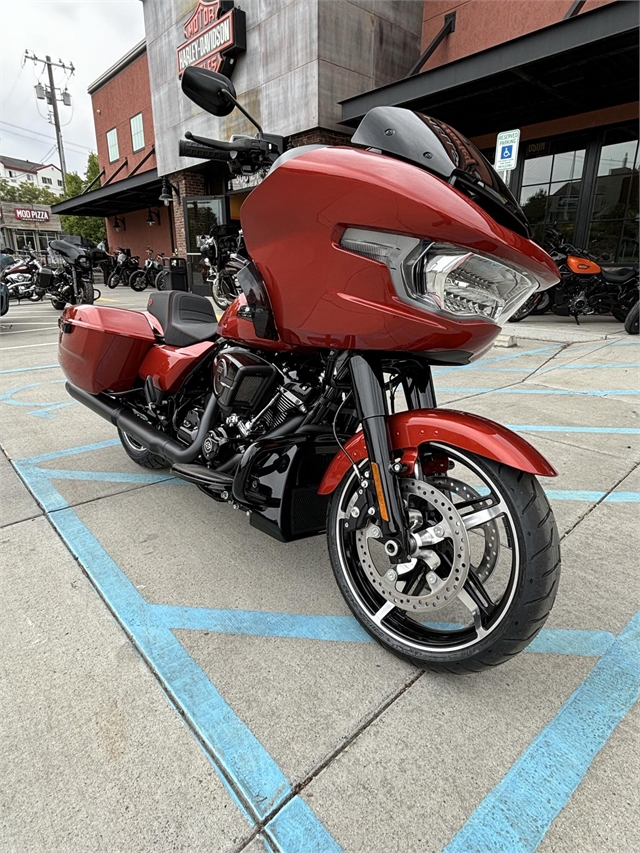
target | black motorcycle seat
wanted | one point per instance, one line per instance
(619, 274)
(185, 318)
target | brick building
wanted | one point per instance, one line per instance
(129, 193)
(563, 72)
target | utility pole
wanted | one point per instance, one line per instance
(51, 97)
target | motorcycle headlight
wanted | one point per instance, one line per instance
(443, 277)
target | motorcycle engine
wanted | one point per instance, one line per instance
(254, 397)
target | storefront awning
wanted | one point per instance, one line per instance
(576, 66)
(124, 196)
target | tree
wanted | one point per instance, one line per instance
(91, 227)
(26, 193)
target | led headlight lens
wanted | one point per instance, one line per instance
(468, 284)
(439, 276)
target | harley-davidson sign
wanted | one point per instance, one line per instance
(215, 34)
(27, 214)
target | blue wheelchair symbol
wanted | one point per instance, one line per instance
(506, 152)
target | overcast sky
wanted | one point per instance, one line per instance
(93, 34)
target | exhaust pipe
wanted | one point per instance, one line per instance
(153, 439)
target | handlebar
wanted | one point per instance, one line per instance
(193, 149)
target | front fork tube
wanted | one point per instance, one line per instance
(372, 410)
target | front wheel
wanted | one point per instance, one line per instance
(138, 281)
(114, 280)
(222, 292)
(483, 575)
(631, 321)
(161, 280)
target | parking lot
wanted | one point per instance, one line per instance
(175, 680)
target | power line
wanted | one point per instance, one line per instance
(44, 135)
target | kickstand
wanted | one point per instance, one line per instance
(575, 317)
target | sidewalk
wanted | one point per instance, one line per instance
(174, 680)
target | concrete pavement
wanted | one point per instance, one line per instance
(175, 680)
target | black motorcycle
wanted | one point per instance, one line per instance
(222, 253)
(125, 265)
(585, 287)
(146, 276)
(71, 280)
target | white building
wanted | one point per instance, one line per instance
(47, 176)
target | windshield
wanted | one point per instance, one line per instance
(440, 149)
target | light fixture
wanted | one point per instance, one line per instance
(167, 188)
(119, 224)
(153, 218)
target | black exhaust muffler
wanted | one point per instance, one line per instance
(144, 433)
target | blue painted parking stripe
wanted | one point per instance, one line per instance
(261, 623)
(239, 758)
(242, 758)
(345, 629)
(71, 451)
(593, 497)
(596, 366)
(25, 369)
(509, 357)
(564, 641)
(550, 392)
(295, 830)
(577, 429)
(518, 812)
(108, 476)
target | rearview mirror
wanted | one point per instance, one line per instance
(209, 90)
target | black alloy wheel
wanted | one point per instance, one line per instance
(482, 580)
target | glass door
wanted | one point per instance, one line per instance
(200, 215)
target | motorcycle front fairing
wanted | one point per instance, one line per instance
(324, 296)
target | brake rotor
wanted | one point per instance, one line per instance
(490, 530)
(443, 584)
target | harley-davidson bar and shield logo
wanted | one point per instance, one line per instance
(215, 34)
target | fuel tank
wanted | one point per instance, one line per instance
(324, 296)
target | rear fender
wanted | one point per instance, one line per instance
(408, 430)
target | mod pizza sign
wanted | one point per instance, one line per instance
(27, 214)
(215, 34)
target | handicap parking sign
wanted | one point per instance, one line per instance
(507, 150)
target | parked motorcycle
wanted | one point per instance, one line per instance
(140, 279)
(586, 287)
(368, 265)
(222, 254)
(21, 278)
(70, 281)
(125, 265)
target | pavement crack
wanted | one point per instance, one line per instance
(364, 724)
(599, 501)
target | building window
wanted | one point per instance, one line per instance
(59, 182)
(30, 178)
(112, 144)
(613, 222)
(137, 132)
(551, 186)
(46, 181)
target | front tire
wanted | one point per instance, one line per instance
(138, 281)
(477, 596)
(140, 454)
(631, 321)
(113, 281)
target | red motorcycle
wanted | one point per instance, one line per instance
(311, 405)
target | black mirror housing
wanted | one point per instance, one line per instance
(209, 90)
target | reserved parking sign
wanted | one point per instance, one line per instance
(507, 150)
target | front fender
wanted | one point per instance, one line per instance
(408, 430)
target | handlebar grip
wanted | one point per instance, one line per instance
(192, 149)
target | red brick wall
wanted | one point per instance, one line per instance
(137, 234)
(189, 184)
(121, 98)
(484, 23)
